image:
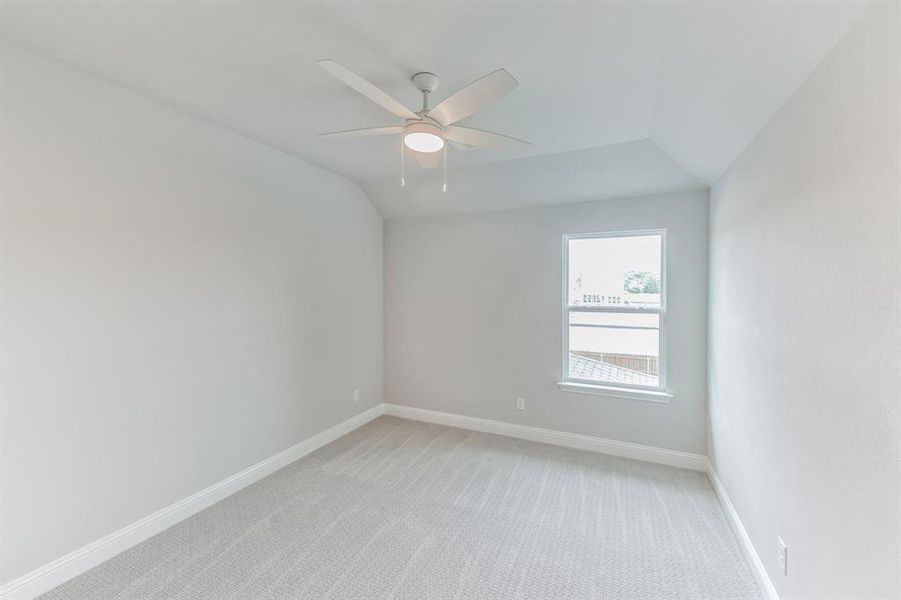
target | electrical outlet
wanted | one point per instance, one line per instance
(783, 557)
(356, 395)
(520, 404)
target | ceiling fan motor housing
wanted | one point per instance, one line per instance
(424, 125)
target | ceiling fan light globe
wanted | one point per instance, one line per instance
(423, 141)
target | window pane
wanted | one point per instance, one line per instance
(615, 348)
(615, 271)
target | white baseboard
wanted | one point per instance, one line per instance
(763, 579)
(61, 570)
(673, 458)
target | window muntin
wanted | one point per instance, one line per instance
(614, 305)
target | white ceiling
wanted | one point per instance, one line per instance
(698, 80)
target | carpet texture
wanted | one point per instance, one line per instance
(407, 510)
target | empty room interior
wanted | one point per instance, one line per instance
(450, 300)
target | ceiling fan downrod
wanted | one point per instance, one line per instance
(426, 83)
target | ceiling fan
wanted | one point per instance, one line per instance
(427, 131)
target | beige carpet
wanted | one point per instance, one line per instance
(400, 509)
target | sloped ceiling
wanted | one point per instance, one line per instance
(616, 98)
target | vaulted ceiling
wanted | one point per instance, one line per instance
(616, 98)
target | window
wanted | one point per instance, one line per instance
(615, 309)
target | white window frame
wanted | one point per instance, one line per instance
(656, 393)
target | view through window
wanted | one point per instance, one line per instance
(615, 308)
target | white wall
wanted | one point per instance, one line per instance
(473, 317)
(178, 303)
(804, 325)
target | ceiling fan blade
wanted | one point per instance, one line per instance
(482, 139)
(369, 131)
(473, 97)
(367, 89)
(461, 147)
(428, 160)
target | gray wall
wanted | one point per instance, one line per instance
(178, 303)
(804, 325)
(473, 317)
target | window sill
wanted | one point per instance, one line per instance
(615, 392)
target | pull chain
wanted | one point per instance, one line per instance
(403, 182)
(444, 188)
